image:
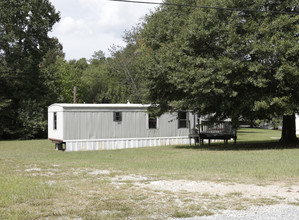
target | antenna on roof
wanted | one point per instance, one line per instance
(128, 102)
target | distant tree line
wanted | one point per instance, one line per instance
(241, 65)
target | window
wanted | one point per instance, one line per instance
(182, 119)
(152, 122)
(55, 121)
(117, 116)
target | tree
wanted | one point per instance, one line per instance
(95, 80)
(69, 76)
(229, 63)
(24, 27)
(50, 75)
(126, 68)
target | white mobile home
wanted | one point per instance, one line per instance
(115, 126)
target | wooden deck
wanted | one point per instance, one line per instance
(219, 131)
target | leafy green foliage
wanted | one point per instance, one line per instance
(69, 76)
(103, 80)
(33, 116)
(124, 68)
(24, 26)
(231, 63)
(95, 80)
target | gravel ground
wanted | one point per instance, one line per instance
(290, 193)
(274, 212)
(286, 193)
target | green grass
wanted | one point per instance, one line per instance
(37, 181)
(258, 135)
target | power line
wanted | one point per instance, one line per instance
(207, 7)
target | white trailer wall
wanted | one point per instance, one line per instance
(55, 134)
(100, 125)
(91, 127)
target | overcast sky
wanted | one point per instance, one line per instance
(87, 26)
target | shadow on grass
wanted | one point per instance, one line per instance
(249, 145)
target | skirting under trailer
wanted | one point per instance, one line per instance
(116, 144)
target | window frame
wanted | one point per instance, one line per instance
(117, 116)
(54, 120)
(184, 121)
(148, 123)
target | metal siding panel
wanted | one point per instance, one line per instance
(76, 125)
(122, 129)
(140, 124)
(66, 130)
(68, 126)
(81, 126)
(117, 128)
(129, 127)
(168, 125)
(106, 125)
(100, 125)
(135, 129)
(95, 121)
(91, 130)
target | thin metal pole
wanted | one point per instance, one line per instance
(75, 94)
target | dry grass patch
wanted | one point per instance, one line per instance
(102, 194)
(37, 182)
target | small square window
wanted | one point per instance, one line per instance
(117, 116)
(152, 122)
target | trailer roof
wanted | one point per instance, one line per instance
(68, 105)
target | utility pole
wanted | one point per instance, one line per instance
(75, 94)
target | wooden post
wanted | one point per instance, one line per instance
(75, 94)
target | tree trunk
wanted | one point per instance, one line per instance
(288, 134)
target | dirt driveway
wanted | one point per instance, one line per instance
(115, 193)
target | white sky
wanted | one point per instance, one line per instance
(87, 26)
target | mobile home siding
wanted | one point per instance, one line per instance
(100, 125)
(92, 127)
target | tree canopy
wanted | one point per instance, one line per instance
(238, 64)
(229, 63)
(24, 27)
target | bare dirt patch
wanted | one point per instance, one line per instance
(287, 193)
(33, 169)
(133, 178)
(113, 193)
(100, 172)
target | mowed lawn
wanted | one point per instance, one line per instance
(38, 182)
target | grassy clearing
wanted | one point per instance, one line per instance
(37, 182)
(258, 135)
